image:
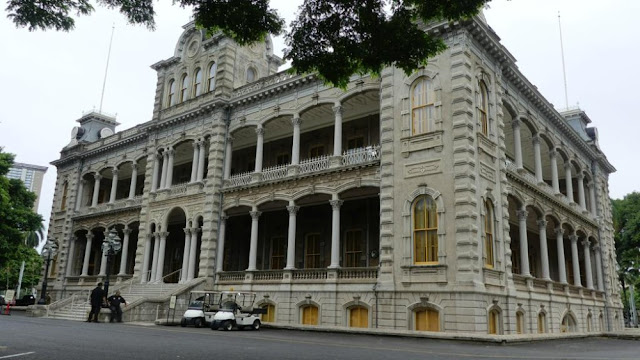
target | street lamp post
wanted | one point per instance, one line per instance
(110, 247)
(49, 251)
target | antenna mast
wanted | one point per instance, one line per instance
(564, 71)
(104, 83)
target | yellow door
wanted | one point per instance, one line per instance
(270, 315)
(427, 320)
(541, 321)
(310, 315)
(359, 317)
(493, 322)
(519, 323)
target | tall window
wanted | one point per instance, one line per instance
(278, 250)
(483, 107)
(359, 317)
(251, 75)
(184, 89)
(425, 231)
(312, 251)
(353, 245)
(63, 204)
(422, 106)
(197, 84)
(494, 322)
(427, 320)
(212, 76)
(568, 324)
(316, 150)
(171, 98)
(488, 234)
(519, 323)
(542, 323)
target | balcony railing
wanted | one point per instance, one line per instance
(314, 164)
(361, 155)
(107, 206)
(530, 178)
(364, 274)
(274, 172)
(240, 179)
(358, 273)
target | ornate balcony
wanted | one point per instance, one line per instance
(340, 275)
(118, 205)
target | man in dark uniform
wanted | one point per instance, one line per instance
(97, 296)
(114, 305)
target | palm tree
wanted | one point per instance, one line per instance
(33, 237)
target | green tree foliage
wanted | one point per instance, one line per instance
(16, 220)
(626, 223)
(336, 38)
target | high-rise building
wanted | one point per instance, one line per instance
(31, 176)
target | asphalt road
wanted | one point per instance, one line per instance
(25, 338)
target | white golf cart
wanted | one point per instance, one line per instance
(202, 307)
(236, 311)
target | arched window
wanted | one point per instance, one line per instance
(251, 75)
(483, 108)
(494, 322)
(184, 89)
(270, 316)
(212, 76)
(310, 315)
(601, 322)
(197, 83)
(422, 106)
(63, 203)
(425, 231)
(519, 323)
(427, 320)
(589, 323)
(542, 323)
(359, 317)
(568, 324)
(171, 97)
(488, 234)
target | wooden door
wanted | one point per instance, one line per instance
(310, 315)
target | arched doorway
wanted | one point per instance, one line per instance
(174, 248)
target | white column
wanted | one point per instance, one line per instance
(335, 232)
(163, 176)
(597, 250)
(592, 199)
(71, 254)
(221, 238)
(170, 168)
(125, 251)
(537, 157)
(103, 261)
(228, 158)
(586, 250)
(163, 245)
(517, 142)
(154, 261)
(581, 198)
(80, 194)
(114, 185)
(134, 180)
(156, 169)
(253, 249)
(192, 253)
(144, 276)
(544, 252)
(561, 260)
(185, 255)
(524, 244)
(259, 148)
(575, 260)
(96, 189)
(291, 238)
(295, 149)
(87, 254)
(555, 183)
(194, 162)
(337, 130)
(201, 155)
(568, 179)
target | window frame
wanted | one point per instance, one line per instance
(281, 258)
(357, 250)
(63, 201)
(430, 249)
(171, 94)
(489, 246)
(427, 101)
(184, 88)
(432, 324)
(483, 107)
(316, 255)
(213, 68)
(197, 82)
(255, 74)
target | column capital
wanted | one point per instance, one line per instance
(195, 144)
(171, 151)
(522, 214)
(259, 130)
(230, 139)
(255, 215)
(97, 177)
(134, 165)
(535, 139)
(553, 153)
(542, 224)
(187, 231)
(89, 236)
(158, 155)
(558, 231)
(127, 231)
(596, 246)
(293, 209)
(580, 176)
(573, 238)
(156, 235)
(335, 204)
(337, 109)
(586, 243)
(195, 230)
(296, 120)
(568, 166)
(115, 171)
(223, 218)
(84, 182)
(515, 123)
(164, 234)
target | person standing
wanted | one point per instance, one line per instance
(97, 297)
(114, 305)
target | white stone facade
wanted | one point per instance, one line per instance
(438, 201)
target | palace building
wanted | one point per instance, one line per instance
(456, 199)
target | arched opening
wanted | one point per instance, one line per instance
(519, 322)
(360, 227)
(174, 248)
(568, 324)
(427, 319)
(314, 231)
(182, 163)
(494, 322)
(238, 228)
(542, 323)
(358, 317)
(309, 315)
(95, 252)
(270, 315)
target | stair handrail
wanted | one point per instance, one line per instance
(61, 303)
(179, 271)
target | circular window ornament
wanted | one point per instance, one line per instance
(193, 48)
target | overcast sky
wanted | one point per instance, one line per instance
(49, 78)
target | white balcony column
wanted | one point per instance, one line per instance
(87, 254)
(221, 237)
(259, 148)
(575, 260)
(568, 179)
(592, 199)
(156, 169)
(80, 194)
(185, 255)
(125, 251)
(161, 252)
(561, 260)
(103, 261)
(597, 249)
(192, 253)
(555, 183)
(154, 261)
(253, 249)
(134, 180)
(163, 175)
(194, 161)
(537, 157)
(144, 275)
(544, 251)
(228, 158)
(202, 153)
(337, 131)
(96, 190)
(114, 185)
(169, 178)
(517, 142)
(295, 149)
(524, 244)
(291, 237)
(71, 254)
(581, 194)
(335, 231)
(588, 274)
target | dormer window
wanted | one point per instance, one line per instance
(212, 76)
(251, 75)
(185, 88)
(171, 97)
(197, 84)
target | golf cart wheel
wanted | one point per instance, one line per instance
(183, 323)
(228, 325)
(198, 323)
(256, 325)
